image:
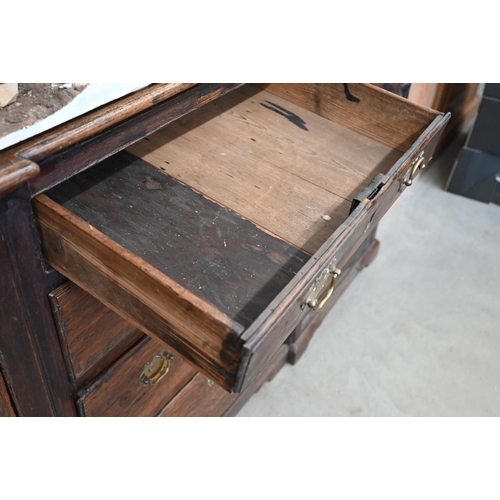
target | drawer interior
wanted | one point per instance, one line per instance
(290, 171)
(191, 232)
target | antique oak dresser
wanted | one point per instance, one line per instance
(167, 253)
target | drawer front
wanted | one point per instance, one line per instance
(119, 392)
(202, 398)
(202, 270)
(92, 335)
(273, 326)
(302, 334)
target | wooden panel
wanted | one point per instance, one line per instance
(118, 392)
(199, 399)
(30, 352)
(6, 408)
(91, 334)
(271, 329)
(288, 170)
(61, 165)
(374, 112)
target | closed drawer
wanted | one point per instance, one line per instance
(210, 234)
(202, 398)
(120, 391)
(92, 335)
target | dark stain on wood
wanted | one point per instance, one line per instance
(208, 249)
(291, 117)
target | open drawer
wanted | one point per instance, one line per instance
(218, 233)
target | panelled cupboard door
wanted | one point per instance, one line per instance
(216, 234)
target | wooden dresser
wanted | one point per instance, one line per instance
(168, 253)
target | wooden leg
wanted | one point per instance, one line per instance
(267, 374)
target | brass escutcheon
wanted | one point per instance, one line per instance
(156, 369)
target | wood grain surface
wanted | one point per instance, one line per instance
(287, 169)
(92, 335)
(117, 393)
(14, 171)
(32, 361)
(364, 108)
(207, 249)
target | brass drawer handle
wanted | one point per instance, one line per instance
(156, 369)
(312, 300)
(418, 164)
(315, 305)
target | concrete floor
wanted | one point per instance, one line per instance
(418, 332)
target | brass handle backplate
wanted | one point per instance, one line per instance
(418, 164)
(156, 369)
(312, 299)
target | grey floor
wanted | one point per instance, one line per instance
(418, 332)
